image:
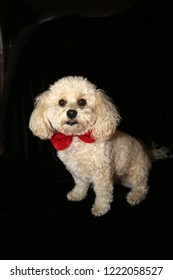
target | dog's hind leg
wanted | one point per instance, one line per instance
(136, 180)
(137, 194)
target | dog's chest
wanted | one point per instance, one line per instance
(81, 158)
(76, 154)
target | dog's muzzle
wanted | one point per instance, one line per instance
(71, 114)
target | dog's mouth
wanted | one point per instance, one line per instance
(71, 122)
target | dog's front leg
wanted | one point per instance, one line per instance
(80, 189)
(104, 196)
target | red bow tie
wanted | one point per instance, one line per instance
(61, 141)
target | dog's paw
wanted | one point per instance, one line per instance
(135, 197)
(99, 210)
(76, 195)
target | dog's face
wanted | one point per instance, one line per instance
(73, 105)
(72, 111)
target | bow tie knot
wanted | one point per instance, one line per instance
(61, 141)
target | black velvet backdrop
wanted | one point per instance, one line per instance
(128, 55)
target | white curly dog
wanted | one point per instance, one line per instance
(81, 122)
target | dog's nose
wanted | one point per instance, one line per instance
(71, 114)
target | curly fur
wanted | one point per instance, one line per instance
(114, 156)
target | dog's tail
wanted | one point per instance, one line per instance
(160, 153)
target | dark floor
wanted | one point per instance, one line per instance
(37, 221)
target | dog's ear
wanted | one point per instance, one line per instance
(38, 122)
(107, 117)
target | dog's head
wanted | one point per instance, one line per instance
(73, 105)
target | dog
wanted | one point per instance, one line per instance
(81, 122)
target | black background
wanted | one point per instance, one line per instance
(129, 55)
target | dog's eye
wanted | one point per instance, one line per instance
(62, 102)
(81, 102)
